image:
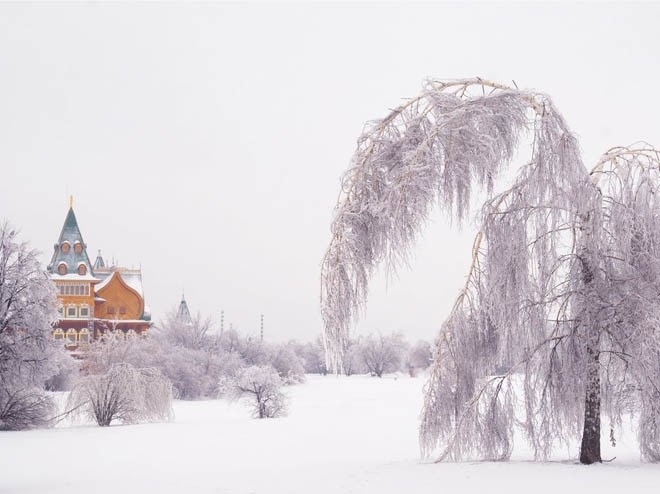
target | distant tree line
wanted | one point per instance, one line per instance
(135, 379)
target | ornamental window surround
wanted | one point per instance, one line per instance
(71, 336)
(83, 336)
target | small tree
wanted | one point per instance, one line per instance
(123, 393)
(419, 357)
(382, 354)
(260, 387)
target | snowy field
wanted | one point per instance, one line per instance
(343, 435)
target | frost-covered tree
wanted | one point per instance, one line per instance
(260, 387)
(419, 357)
(28, 356)
(313, 357)
(559, 310)
(190, 354)
(111, 350)
(287, 363)
(382, 353)
(124, 393)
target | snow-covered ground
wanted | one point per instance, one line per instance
(343, 435)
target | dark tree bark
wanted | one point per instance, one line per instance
(590, 447)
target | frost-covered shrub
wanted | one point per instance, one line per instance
(192, 356)
(68, 373)
(260, 388)
(353, 363)
(124, 393)
(104, 353)
(419, 357)
(313, 358)
(25, 408)
(287, 363)
(382, 354)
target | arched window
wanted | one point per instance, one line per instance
(83, 336)
(62, 269)
(82, 270)
(77, 248)
(71, 336)
(65, 247)
(58, 334)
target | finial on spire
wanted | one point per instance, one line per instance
(71, 201)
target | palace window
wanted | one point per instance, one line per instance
(65, 247)
(71, 336)
(83, 336)
(61, 269)
(77, 248)
(84, 311)
(111, 310)
(71, 311)
(82, 270)
(73, 289)
(58, 334)
(122, 310)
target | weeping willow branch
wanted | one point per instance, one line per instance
(563, 252)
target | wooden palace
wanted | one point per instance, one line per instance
(94, 300)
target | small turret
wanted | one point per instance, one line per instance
(183, 314)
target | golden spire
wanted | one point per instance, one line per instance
(71, 201)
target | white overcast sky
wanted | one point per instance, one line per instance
(205, 142)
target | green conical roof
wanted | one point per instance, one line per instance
(70, 234)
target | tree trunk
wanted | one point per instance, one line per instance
(590, 447)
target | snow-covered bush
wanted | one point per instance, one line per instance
(419, 357)
(260, 388)
(192, 356)
(28, 356)
(67, 373)
(24, 408)
(102, 354)
(124, 393)
(287, 363)
(382, 354)
(312, 356)
(353, 363)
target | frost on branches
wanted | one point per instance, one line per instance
(259, 386)
(28, 356)
(124, 393)
(557, 325)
